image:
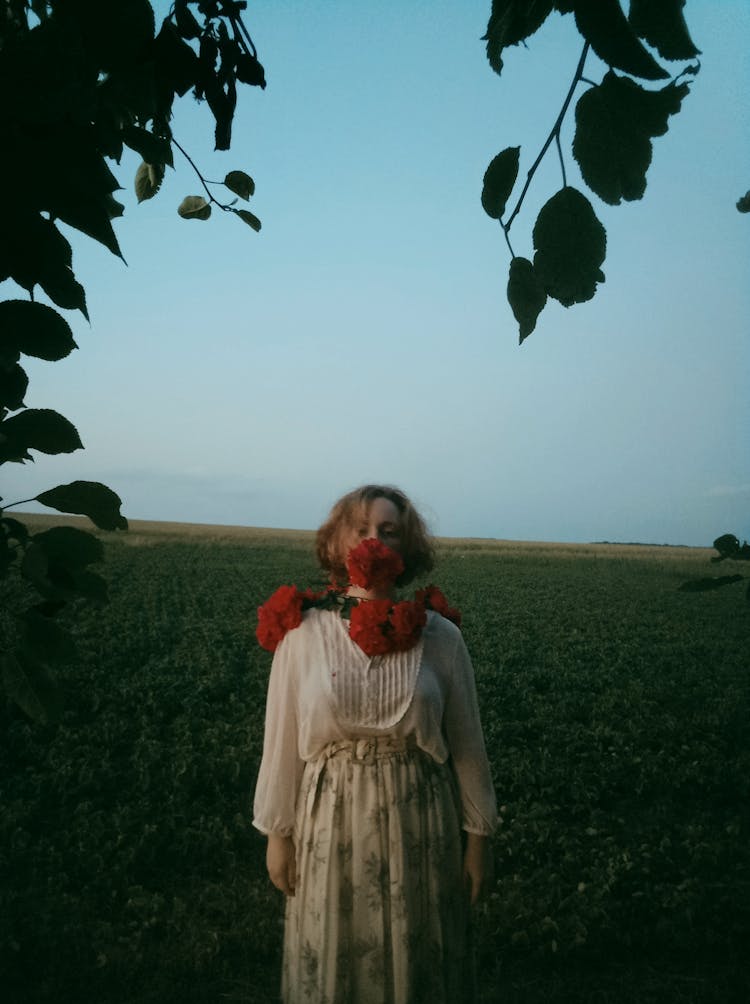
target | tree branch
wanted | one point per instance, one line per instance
(554, 135)
(203, 182)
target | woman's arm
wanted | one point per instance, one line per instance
(281, 767)
(281, 863)
(463, 733)
(477, 865)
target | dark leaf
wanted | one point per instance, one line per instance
(78, 189)
(8, 555)
(603, 24)
(91, 217)
(13, 386)
(208, 51)
(89, 585)
(63, 289)
(40, 9)
(35, 565)
(499, 179)
(250, 71)
(14, 529)
(240, 183)
(46, 75)
(31, 688)
(153, 149)
(222, 103)
(230, 53)
(250, 218)
(148, 179)
(614, 126)
(512, 21)
(38, 429)
(194, 207)
(570, 247)
(743, 204)
(132, 89)
(663, 26)
(112, 207)
(69, 547)
(187, 25)
(117, 34)
(34, 329)
(526, 295)
(49, 608)
(43, 641)
(705, 585)
(727, 545)
(88, 498)
(39, 254)
(177, 65)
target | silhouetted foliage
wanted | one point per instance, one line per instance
(80, 81)
(616, 120)
(729, 549)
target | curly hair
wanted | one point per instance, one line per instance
(416, 546)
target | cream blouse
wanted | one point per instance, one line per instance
(324, 688)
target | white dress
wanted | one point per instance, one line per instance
(374, 765)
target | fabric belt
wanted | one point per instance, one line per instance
(363, 751)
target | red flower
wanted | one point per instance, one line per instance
(434, 599)
(368, 626)
(280, 613)
(407, 620)
(373, 565)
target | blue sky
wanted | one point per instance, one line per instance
(364, 334)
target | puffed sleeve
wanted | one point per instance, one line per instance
(281, 765)
(463, 732)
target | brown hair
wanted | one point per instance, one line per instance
(416, 546)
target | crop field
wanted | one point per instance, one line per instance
(617, 718)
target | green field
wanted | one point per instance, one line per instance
(617, 719)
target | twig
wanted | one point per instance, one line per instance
(192, 163)
(22, 502)
(554, 134)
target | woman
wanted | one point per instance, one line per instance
(373, 764)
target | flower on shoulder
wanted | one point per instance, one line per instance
(281, 612)
(407, 619)
(373, 565)
(434, 599)
(368, 624)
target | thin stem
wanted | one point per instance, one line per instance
(22, 502)
(239, 29)
(562, 162)
(192, 163)
(507, 241)
(554, 134)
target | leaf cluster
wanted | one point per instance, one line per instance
(729, 549)
(615, 122)
(81, 81)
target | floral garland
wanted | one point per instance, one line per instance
(378, 626)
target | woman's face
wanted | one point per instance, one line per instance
(381, 520)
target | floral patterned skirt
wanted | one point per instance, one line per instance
(380, 915)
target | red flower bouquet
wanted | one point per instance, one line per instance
(407, 620)
(434, 599)
(373, 565)
(368, 625)
(378, 626)
(280, 613)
